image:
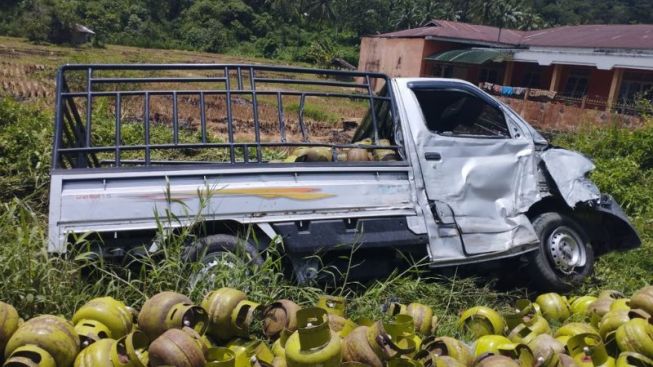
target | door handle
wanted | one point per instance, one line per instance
(432, 156)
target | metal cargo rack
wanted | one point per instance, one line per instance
(79, 86)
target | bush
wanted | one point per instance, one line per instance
(25, 148)
(624, 162)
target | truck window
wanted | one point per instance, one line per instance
(459, 113)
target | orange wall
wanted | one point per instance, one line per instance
(397, 57)
(430, 48)
(556, 117)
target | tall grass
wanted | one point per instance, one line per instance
(25, 134)
(32, 281)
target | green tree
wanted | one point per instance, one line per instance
(290, 10)
(505, 14)
(49, 20)
(216, 25)
(321, 11)
(416, 13)
(103, 17)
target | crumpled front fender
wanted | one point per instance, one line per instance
(606, 221)
(569, 170)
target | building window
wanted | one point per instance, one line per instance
(635, 86)
(577, 83)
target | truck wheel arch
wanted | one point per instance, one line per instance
(606, 225)
(260, 234)
(204, 247)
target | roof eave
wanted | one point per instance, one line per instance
(388, 35)
(471, 42)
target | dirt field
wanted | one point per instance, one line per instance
(27, 73)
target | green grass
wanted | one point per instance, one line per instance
(23, 52)
(315, 112)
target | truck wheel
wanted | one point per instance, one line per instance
(218, 248)
(565, 257)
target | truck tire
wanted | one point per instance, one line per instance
(207, 249)
(565, 257)
(211, 250)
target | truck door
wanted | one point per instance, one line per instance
(475, 161)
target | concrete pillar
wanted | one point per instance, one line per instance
(615, 85)
(507, 74)
(555, 77)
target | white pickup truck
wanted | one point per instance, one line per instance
(433, 168)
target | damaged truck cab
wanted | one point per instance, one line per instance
(497, 188)
(442, 171)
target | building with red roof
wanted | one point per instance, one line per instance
(604, 64)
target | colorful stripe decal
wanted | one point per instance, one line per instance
(294, 193)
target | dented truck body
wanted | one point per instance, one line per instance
(469, 180)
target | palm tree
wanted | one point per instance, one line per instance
(406, 15)
(415, 13)
(506, 14)
(321, 10)
(286, 8)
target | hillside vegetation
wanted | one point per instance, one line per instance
(300, 30)
(36, 283)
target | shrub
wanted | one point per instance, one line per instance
(25, 141)
(624, 162)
